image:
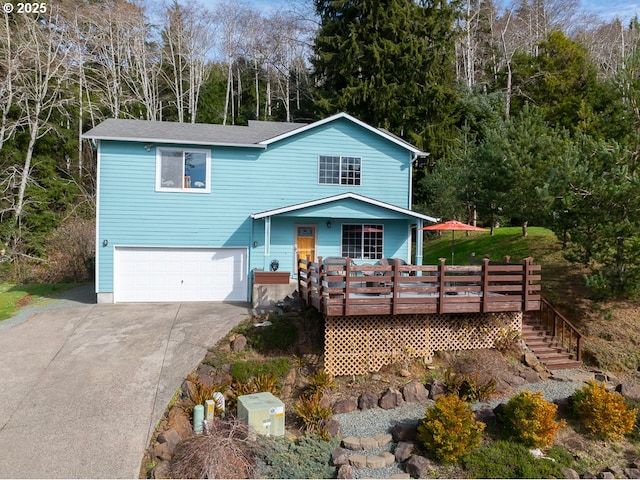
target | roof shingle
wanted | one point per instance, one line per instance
(190, 133)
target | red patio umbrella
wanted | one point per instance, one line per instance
(453, 225)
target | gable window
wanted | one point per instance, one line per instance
(363, 242)
(183, 170)
(337, 170)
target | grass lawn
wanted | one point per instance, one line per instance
(541, 244)
(14, 296)
(560, 279)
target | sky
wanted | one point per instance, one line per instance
(609, 9)
(606, 9)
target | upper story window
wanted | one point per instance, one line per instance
(362, 242)
(183, 170)
(337, 170)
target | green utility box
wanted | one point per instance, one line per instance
(263, 412)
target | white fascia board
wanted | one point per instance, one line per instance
(391, 138)
(343, 196)
(174, 140)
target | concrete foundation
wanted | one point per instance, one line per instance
(265, 296)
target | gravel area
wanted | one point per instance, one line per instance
(369, 423)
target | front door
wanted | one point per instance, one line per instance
(306, 242)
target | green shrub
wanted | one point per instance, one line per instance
(449, 429)
(279, 336)
(530, 419)
(602, 412)
(245, 370)
(308, 457)
(508, 459)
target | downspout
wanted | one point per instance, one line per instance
(414, 159)
(97, 145)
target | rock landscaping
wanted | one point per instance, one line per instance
(389, 448)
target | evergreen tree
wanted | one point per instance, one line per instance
(388, 62)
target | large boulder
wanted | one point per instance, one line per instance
(161, 470)
(404, 450)
(339, 456)
(404, 432)
(171, 438)
(367, 401)
(345, 405)
(418, 466)
(333, 427)
(392, 398)
(345, 471)
(414, 392)
(179, 421)
(436, 389)
(569, 472)
(239, 343)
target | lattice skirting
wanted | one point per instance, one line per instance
(363, 344)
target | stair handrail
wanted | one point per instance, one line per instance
(557, 324)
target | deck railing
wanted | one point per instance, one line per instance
(565, 333)
(349, 289)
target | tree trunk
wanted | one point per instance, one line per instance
(525, 224)
(226, 98)
(34, 127)
(255, 64)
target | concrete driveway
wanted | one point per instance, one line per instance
(82, 388)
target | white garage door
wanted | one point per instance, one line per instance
(143, 274)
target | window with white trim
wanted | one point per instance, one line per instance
(362, 242)
(337, 170)
(183, 170)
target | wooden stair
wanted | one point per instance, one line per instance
(545, 346)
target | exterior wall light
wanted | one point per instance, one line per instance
(329, 224)
(148, 146)
(105, 242)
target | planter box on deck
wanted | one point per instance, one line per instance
(271, 278)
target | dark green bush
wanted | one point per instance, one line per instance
(245, 370)
(508, 459)
(279, 336)
(308, 457)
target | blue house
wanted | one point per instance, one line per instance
(188, 212)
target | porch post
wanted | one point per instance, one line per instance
(267, 236)
(419, 246)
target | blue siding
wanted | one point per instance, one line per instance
(246, 181)
(328, 240)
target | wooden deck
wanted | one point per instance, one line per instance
(351, 290)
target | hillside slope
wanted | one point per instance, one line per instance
(612, 328)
